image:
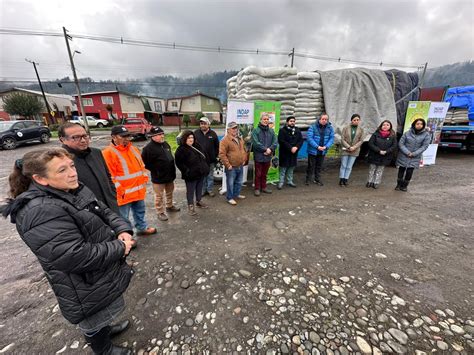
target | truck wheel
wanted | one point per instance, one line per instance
(100, 125)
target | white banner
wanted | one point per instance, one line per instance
(240, 112)
(429, 155)
(438, 110)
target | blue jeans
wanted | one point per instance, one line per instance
(138, 211)
(208, 184)
(347, 161)
(287, 172)
(234, 182)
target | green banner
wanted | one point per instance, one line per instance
(415, 110)
(272, 109)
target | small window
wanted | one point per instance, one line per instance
(209, 101)
(132, 115)
(87, 102)
(174, 104)
(19, 125)
(157, 106)
(192, 101)
(107, 100)
(130, 100)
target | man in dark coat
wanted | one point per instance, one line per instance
(290, 140)
(90, 164)
(209, 142)
(158, 158)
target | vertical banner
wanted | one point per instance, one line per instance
(436, 117)
(416, 109)
(272, 109)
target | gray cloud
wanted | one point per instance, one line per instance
(412, 32)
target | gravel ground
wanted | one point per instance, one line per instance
(311, 270)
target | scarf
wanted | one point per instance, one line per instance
(291, 129)
(384, 134)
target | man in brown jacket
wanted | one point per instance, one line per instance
(233, 155)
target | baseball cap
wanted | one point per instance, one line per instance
(154, 131)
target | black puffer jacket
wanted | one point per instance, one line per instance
(192, 164)
(378, 143)
(73, 235)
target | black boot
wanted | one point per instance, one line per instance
(404, 186)
(118, 328)
(341, 182)
(100, 344)
(369, 184)
(399, 184)
(346, 182)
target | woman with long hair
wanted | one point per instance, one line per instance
(192, 162)
(382, 146)
(80, 243)
(352, 138)
(412, 145)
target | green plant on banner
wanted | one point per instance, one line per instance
(272, 108)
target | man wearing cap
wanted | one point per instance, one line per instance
(209, 142)
(129, 176)
(159, 159)
(290, 140)
(233, 155)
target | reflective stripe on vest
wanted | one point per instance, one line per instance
(123, 162)
(136, 188)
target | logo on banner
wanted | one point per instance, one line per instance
(243, 114)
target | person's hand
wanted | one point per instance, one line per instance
(294, 149)
(124, 236)
(268, 151)
(229, 168)
(128, 246)
(410, 154)
(350, 149)
(383, 152)
(320, 148)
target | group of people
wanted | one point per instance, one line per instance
(71, 204)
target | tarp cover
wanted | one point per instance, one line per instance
(402, 83)
(363, 91)
(461, 97)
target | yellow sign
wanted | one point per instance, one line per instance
(53, 113)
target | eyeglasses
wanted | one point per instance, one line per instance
(79, 138)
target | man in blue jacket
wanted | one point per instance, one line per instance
(320, 139)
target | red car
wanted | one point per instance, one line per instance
(138, 127)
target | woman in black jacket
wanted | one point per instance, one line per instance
(192, 162)
(80, 243)
(382, 147)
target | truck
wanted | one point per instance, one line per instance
(138, 127)
(458, 128)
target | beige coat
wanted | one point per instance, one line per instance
(231, 153)
(347, 142)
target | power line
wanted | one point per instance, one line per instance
(201, 48)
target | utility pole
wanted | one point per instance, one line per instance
(42, 90)
(292, 55)
(423, 76)
(81, 105)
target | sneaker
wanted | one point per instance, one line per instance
(232, 202)
(148, 231)
(241, 197)
(256, 192)
(191, 210)
(280, 185)
(267, 191)
(201, 204)
(291, 184)
(318, 182)
(211, 194)
(173, 209)
(162, 217)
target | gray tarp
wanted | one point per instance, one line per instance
(402, 83)
(363, 91)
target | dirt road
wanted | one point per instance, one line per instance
(308, 270)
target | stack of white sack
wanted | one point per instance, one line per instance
(267, 84)
(309, 99)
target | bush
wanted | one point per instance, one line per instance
(54, 127)
(186, 120)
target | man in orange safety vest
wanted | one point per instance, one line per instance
(129, 176)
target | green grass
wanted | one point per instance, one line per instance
(171, 139)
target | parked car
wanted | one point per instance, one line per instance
(91, 121)
(14, 133)
(138, 127)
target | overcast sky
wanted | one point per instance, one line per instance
(402, 32)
